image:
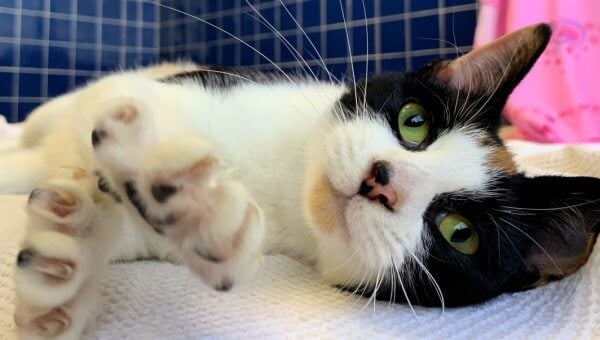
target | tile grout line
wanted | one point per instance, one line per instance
(220, 34)
(123, 33)
(407, 37)
(17, 61)
(238, 32)
(157, 18)
(441, 24)
(99, 27)
(323, 22)
(377, 14)
(277, 24)
(45, 51)
(73, 39)
(257, 41)
(139, 16)
(299, 35)
(65, 16)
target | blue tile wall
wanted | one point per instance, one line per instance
(402, 34)
(48, 47)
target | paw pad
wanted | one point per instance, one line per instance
(126, 114)
(53, 323)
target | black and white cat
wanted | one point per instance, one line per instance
(398, 187)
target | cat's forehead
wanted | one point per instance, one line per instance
(450, 111)
(390, 90)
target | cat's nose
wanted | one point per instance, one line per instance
(377, 186)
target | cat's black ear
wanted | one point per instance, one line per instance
(498, 66)
(554, 223)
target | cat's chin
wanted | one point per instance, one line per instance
(355, 231)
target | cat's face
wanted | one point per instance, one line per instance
(412, 195)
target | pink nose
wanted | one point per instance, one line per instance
(377, 186)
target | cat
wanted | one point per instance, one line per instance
(397, 187)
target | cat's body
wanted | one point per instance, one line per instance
(262, 146)
(399, 188)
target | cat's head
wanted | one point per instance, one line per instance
(412, 195)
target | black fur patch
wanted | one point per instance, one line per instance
(162, 192)
(157, 223)
(105, 187)
(134, 198)
(223, 78)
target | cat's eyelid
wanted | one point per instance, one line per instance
(410, 100)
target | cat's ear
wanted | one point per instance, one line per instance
(498, 66)
(554, 221)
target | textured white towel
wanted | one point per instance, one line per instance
(150, 300)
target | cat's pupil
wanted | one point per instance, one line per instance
(461, 233)
(414, 121)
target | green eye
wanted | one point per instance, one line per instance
(459, 232)
(413, 123)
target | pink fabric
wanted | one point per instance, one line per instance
(559, 100)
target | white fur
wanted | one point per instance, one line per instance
(272, 142)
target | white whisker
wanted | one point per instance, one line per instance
(432, 279)
(553, 209)
(412, 309)
(349, 53)
(324, 66)
(367, 53)
(286, 42)
(536, 243)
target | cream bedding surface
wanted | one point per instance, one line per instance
(152, 300)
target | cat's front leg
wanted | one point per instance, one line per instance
(69, 232)
(177, 187)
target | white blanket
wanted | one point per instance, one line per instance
(151, 300)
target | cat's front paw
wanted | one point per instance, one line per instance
(63, 248)
(213, 221)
